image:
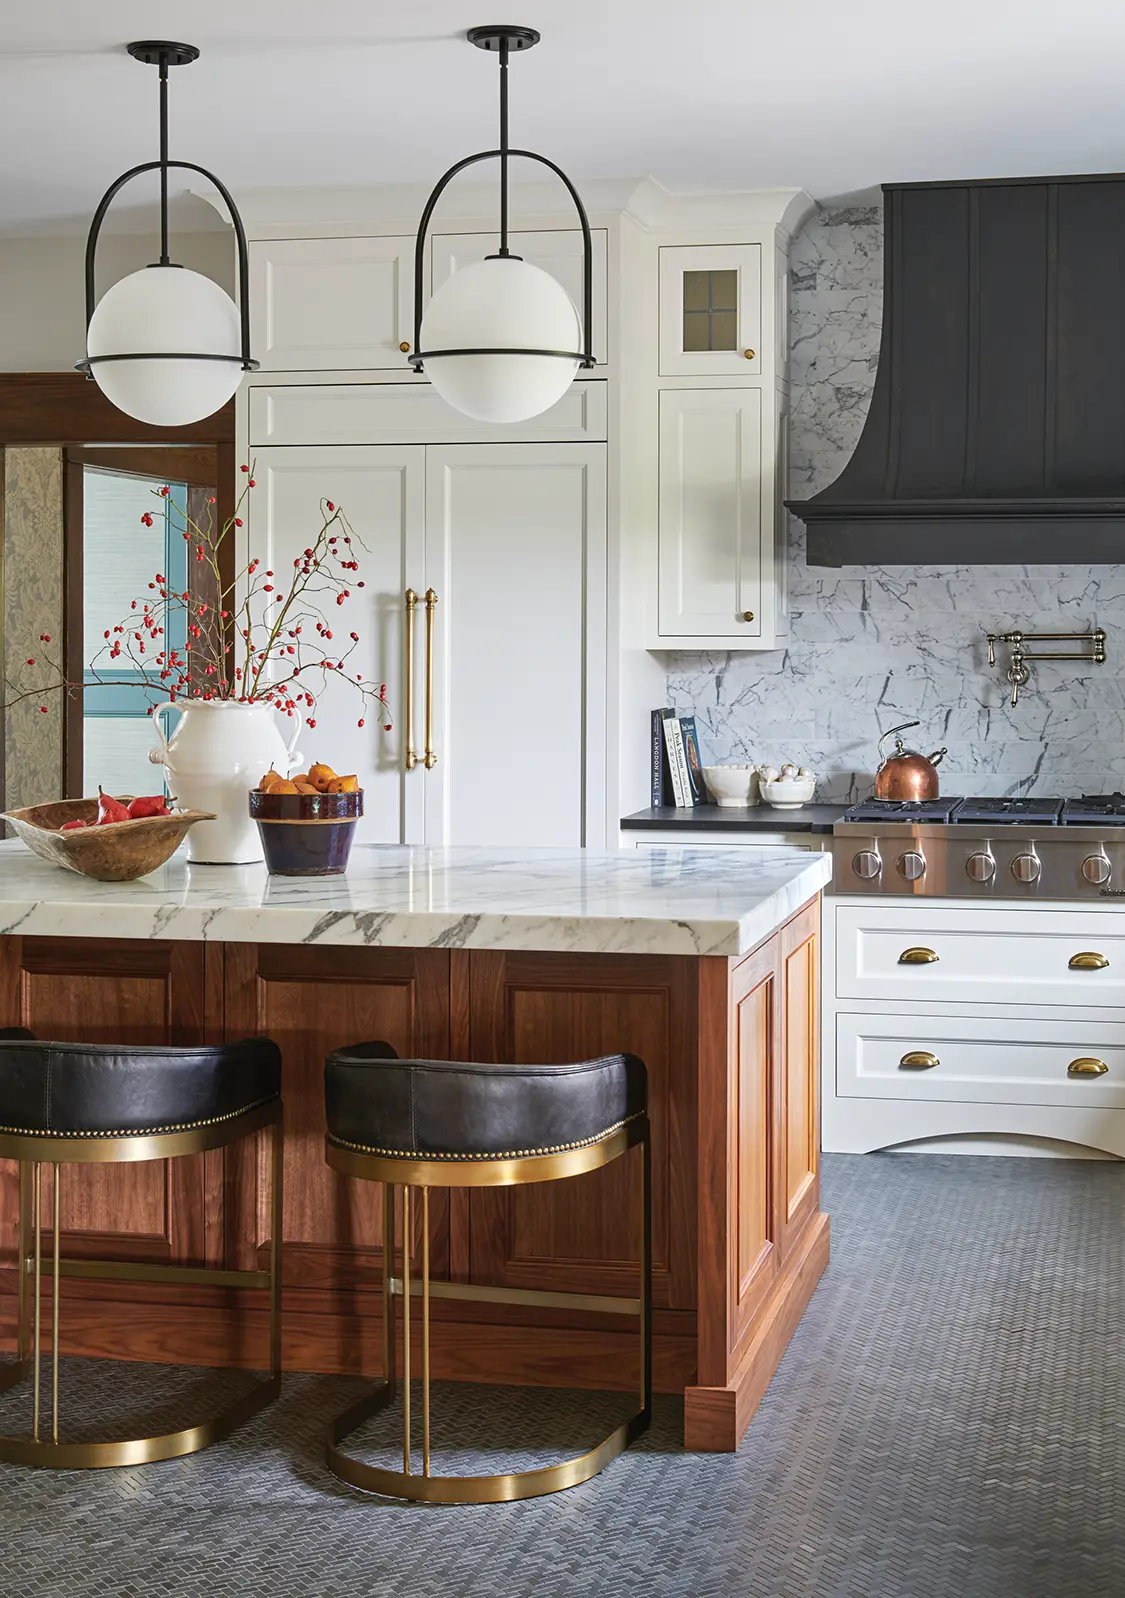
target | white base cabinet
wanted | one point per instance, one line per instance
(947, 1020)
(507, 692)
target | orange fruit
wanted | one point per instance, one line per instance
(343, 785)
(284, 786)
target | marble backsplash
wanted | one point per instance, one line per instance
(870, 646)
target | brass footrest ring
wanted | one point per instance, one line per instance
(500, 1489)
(138, 1450)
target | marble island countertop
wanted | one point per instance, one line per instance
(656, 901)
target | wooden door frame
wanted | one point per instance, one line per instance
(61, 409)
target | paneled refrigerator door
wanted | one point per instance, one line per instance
(516, 574)
(382, 491)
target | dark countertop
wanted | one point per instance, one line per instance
(720, 818)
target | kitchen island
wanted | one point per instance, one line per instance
(703, 963)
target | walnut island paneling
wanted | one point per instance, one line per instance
(704, 963)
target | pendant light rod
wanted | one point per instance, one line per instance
(164, 257)
(164, 54)
(503, 147)
(501, 40)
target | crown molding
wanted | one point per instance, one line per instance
(397, 207)
(651, 205)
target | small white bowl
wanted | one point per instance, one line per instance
(790, 793)
(732, 787)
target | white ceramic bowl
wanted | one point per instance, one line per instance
(789, 793)
(732, 787)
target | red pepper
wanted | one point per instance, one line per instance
(110, 810)
(154, 804)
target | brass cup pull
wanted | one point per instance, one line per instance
(1088, 1065)
(411, 757)
(1087, 960)
(918, 956)
(918, 1060)
(429, 759)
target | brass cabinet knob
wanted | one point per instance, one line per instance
(1087, 960)
(918, 956)
(1088, 1065)
(749, 354)
(404, 347)
(918, 1060)
(748, 615)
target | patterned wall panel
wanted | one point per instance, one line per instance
(33, 604)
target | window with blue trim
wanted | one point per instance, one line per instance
(120, 557)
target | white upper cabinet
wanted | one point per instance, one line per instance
(711, 528)
(332, 304)
(558, 251)
(711, 310)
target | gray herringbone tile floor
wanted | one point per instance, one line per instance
(945, 1424)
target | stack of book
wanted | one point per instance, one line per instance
(677, 774)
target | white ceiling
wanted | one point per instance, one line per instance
(703, 94)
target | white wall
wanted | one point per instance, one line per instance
(42, 297)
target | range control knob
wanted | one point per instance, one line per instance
(912, 865)
(1096, 869)
(867, 864)
(1026, 868)
(981, 867)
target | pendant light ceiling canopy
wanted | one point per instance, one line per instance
(501, 340)
(166, 345)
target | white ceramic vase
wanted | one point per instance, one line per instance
(218, 752)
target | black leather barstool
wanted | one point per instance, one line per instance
(77, 1104)
(433, 1123)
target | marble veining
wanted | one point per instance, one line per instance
(645, 901)
(875, 646)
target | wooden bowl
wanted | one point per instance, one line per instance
(119, 852)
(306, 834)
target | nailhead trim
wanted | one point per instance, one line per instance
(142, 1131)
(512, 1154)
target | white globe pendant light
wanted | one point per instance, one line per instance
(501, 340)
(166, 345)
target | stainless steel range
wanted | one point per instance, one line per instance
(983, 848)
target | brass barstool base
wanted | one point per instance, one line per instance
(502, 1489)
(512, 1485)
(33, 1150)
(138, 1450)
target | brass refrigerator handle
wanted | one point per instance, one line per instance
(411, 606)
(430, 758)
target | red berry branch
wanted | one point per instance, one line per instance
(260, 639)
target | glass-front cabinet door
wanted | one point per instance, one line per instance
(710, 310)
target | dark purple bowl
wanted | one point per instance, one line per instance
(306, 834)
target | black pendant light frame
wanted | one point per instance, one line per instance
(502, 40)
(163, 53)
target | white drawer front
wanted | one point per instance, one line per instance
(405, 413)
(979, 1061)
(983, 956)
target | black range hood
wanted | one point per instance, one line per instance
(996, 433)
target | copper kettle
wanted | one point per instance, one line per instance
(906, 774)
